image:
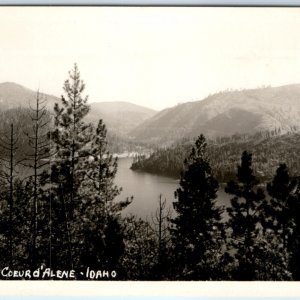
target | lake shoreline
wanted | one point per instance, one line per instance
(146, 189)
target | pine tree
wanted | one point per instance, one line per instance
(100, 215)
(197, 229)
(71, 136)
(282, 216)
(244, 217)
(279, 210)
(279, 220)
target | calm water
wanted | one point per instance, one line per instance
(146, 189)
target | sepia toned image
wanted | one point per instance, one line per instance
(150, 143)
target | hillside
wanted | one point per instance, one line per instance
(13, 95)
(120, 117)
(225, 114)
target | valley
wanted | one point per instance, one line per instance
(264, 121)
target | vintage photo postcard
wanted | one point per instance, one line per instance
(149, 144)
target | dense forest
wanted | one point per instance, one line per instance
(268, 148)
(59, 218)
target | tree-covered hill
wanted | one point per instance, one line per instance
(224, 114)
(268, 148)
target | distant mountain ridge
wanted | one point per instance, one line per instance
(120, 117)
(222, 114)
(13, 95)
(226, 113)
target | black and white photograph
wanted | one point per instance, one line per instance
(149, 143)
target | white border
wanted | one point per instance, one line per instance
(174, 289)
(155, 2)
(122, 289)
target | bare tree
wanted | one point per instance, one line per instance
(37, 159)
(10, 162)
(161, 226)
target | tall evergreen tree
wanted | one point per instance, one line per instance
(85, 219)
(244, 217)
(71, 135)
(197, 231)
(280, 215)
(278, 220)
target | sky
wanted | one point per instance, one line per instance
(151, 56)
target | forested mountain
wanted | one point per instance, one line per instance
(268, 148)
(120, 117)
(226, 113)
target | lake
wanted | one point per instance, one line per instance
(146, 188)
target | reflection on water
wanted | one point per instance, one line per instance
(146, 189)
